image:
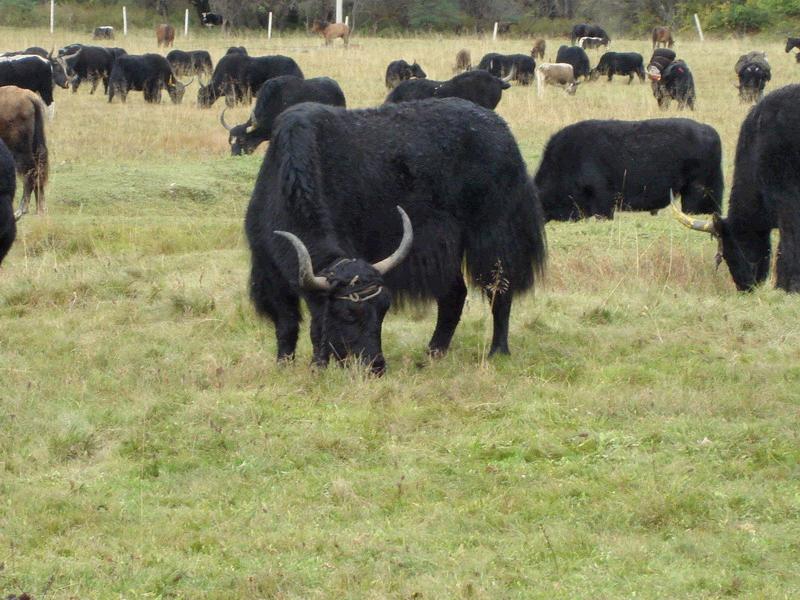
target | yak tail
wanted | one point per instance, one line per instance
(510, 252)
(39, 146)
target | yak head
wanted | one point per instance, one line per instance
(62, 72)
(747, 253)
(416, 71)
(206, 95)
(177, 89)
(244, 138)
(349, 302)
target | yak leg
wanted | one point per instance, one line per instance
(27, 187)
(76, 81)
(95, 80)
(788, 264)
(448, 315)
(501, 312)
(630, 78)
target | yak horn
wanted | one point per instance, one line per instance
(687, 221)
(390, 262)
(253, 123)
(308, 281)
(222, 120)
(187, 84)
(510, 75)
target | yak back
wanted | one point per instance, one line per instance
(591, 166)
(575, 56)
(413, 89)
(480, 87)
(453, 167)
(279, 93)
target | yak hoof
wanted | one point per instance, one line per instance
(436, 353)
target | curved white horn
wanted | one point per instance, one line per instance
(390, 262)
(222, 120)
(308, 281)
(687, 221)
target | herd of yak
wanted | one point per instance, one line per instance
(351, 207)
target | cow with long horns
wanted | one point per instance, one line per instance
(275, 96)
(8, 187)
(323, 222)
(765, 195)
(147, 73)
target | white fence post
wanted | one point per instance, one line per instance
(124, 20)
(269, 27)
(339, 11)
(699, 29)
(347, 20)
(52, 15)
(494, 35)
(186, 23)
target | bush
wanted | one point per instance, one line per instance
(742, 18)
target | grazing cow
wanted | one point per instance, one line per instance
(662, 36)
(194, 62)
(577, 57)
(58, 64)
(539, 46)
(592, 43)
(676, 83)
(619, 63)
(479, 86)
(22, 130)
(30, 72)
(275, 96)
(661, 59)
(322, 222)
(8, 188)
(583, 30)
(331, 31)
(93, 63)
(237, 50)
(765, 195)
(165, 35)
(793, 43)
(560, 74)
(105, 32)
(592, 168)
(463, 61)
(753, 72)
(514, 67)
(210, 19)
(148, 73)
(400, 70)
(238, 77)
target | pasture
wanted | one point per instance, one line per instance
(641, 440)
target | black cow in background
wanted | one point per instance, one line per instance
(104, 32)
(765, 195)
(275, 96)
(509, 67)
(92, 63)
(593, 168)
(754, 72)
(479, 86)
(29, 72)
(793, 43)
(619, 63)
(456, 174)
(8, 188)
(399, 70)
(577, 57)
(238, 77)
(210, 19)
(147, 73)
(583, 30)
(193, 62)
(237, 50)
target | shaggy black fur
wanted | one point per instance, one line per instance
(148, 73)
(501, 65)
(8, 187)
(765, 194)
(619, 63)
(583, 30)
(577, 57)
(238, 77)
(399, 70)
(592, 168)
(29, 72)
(677, 84)
(452, 166)
(275, 96)
(93, 63)
(193, 62)
(480, 87)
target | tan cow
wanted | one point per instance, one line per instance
(331, 31)
(165, 35)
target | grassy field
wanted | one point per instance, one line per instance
(642, 439)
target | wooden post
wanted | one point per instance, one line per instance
(699, 29)
(52, 15)
(269, 27)
(339, 11)
(494, 35)
(186, 23)
(124, 20)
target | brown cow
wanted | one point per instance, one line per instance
(539, 46)
(662, 36)
(463, 61)
(22, 129)
(165, 35)
(331, 31)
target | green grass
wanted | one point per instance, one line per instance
(641, 440)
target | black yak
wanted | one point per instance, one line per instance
(754, 72)
(238, 77)
(583, 30)
(670, 79)
(193, 62)
(93, 63)
(480, 87)
(399, 70)
(148, 73)
(8, 187)
(509, 67)
(275, 96)
(593, 168)
(577, 57)
(765, 195)
(22, 129)
(619, 63)
(456, 171)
